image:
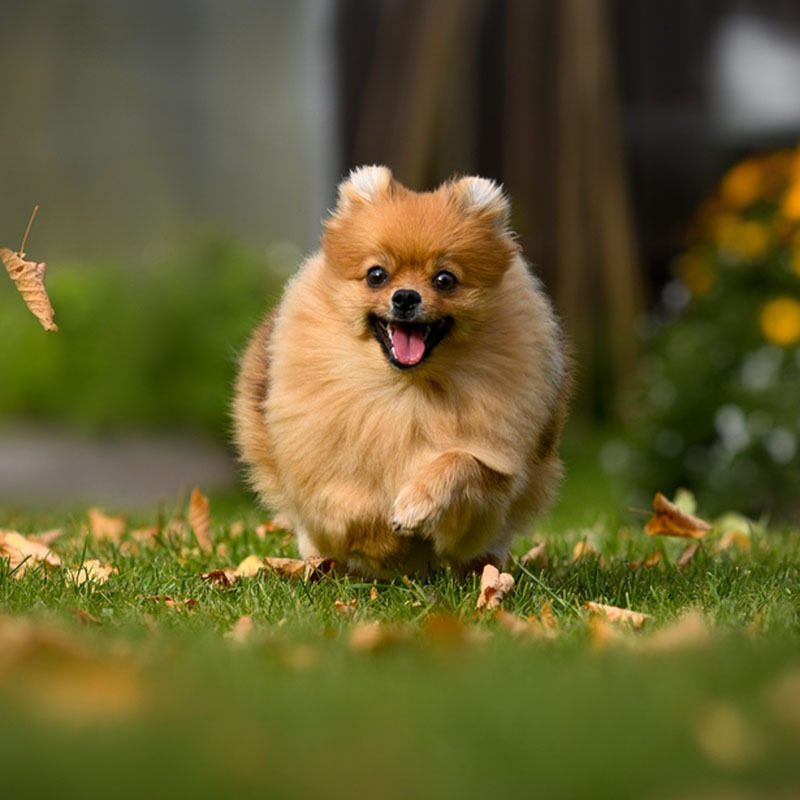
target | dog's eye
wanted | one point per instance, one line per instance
(444, 280)
(376, 276)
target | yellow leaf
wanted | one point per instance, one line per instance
(535, 557)
(28, 276)
(734, 538)
(687, 555)
(23, 552)
(615, 614)
(346, 609)
(199, 519)
(92, 570)
(583, 549)
(241, 630)
(669, 520)
(690, 631)
(369, 637)
(495, 585)
(250, 567)
(104, 526)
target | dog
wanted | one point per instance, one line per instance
(401, 407)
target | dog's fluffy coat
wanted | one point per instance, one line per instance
(386, 468)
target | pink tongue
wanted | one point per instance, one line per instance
(409, 343)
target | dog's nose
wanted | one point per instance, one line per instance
(405, 301)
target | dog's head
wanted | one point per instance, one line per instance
(412, 269)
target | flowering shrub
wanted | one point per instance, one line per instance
(718, 404)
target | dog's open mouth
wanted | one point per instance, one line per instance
(407, 344)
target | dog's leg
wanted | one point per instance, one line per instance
(442, 499)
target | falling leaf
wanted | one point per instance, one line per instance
(535, 557)
(669, 520)
(241, 630)
(249, 567)
(28, 276)
(734, 538)
(615, 614)
(650, 561)
(91, 570)
(690, 631)
(495, 585)
(199, 519)
(687, 555)
(105, 527)
(23, 552)
(346, 609)
(222, 577)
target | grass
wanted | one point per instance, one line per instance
(104, 688)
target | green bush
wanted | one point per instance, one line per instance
(717, 406)
(139, 347)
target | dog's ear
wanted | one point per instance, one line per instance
(484, 198)
(364, 185)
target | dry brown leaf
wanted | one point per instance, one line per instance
(535, 557)
(249, 567)
(734, 538)
(317, 568)
(199, 519)
(285, 567)
(583, 549)
(169, 601)
(222, 577)
(28, 276)
(669, 520)
(146, 536)
(373, 593)
(547, 619)
(346, 609)
(495, 585)
(603, 633)
(687, 555)
(690, 631)
(242, 629)
(23, 553)
(615, 614)
(104, 526)
(650, 561)
(85, 617)
(91, 570)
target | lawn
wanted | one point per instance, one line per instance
(124, 687)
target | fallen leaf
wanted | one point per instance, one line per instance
(734, 538)
(669, 520)
(583, 549)
(85, 617)
(47, 537)
(650, 561)
(91, 570)
(346, 609)
(199, 519)
(28, 276)
(169, 601)
(22, 552)
(369, 637)
(373, 593)
(603, 633)
(222, 577)
(237, 529)
(495, 585)
(265, 528)
(105, 527)
(146, 536)
(687, 555)
(615, 614)
(535, 557)
(516, 625)
(242, 629)
(221, 550)
(249, 567)
(547, 619)
(690, 631)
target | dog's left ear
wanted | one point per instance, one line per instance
(484, 198)
(364, 185)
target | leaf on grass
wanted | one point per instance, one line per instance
(373, 593)
(689, 631)
(370, 637)
(22, 552)
(47, 537)
(242, 629)
(265, 528)
(346, 609)
(583, 549)
(85, 617)
(650, 561)
(222, 577)
(734, 538)
(237, 529)
(104, 526)
(170, 602)
(687, 555)
(28, 276)
(249, 567)
(547, 619)
(604, 633)
(669, 520)
(312, 569)
(519, 626)
(91, 570)
(495, 585)
(615, 614)
(535, 557)
(146, 536)
(199, 519)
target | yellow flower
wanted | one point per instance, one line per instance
(741, 240)
(697, 272)
(791, 202)
(741, 185)
(780, 321)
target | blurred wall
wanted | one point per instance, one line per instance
(137, 124)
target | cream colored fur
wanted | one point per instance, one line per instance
(384, 469)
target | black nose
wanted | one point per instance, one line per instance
(405, 301)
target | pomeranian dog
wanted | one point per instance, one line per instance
(401, 407)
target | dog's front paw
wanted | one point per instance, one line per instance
(415, 512)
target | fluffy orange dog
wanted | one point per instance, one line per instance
(402, 405)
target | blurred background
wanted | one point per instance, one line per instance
(184, 154)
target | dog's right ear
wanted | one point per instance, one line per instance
(364, 185)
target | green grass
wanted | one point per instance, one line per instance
(295, 711)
